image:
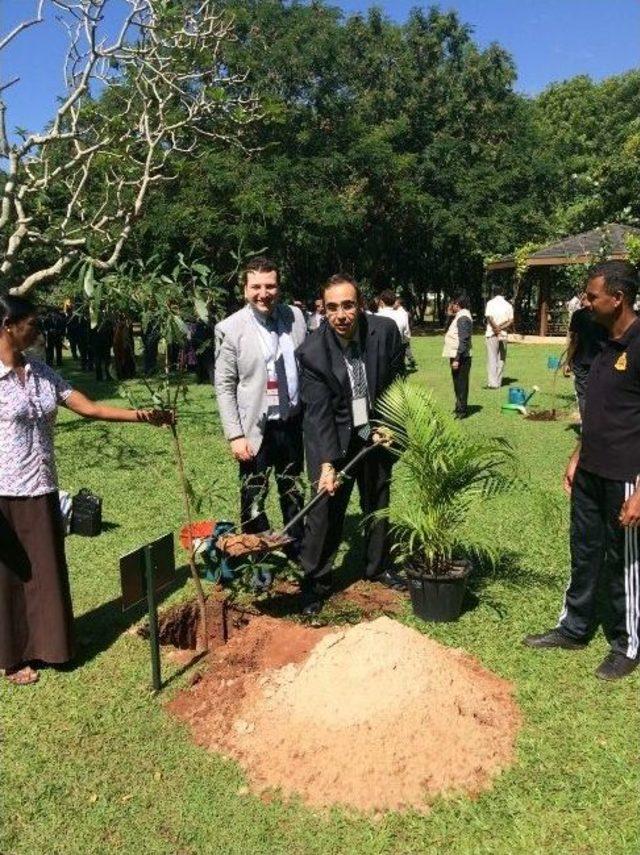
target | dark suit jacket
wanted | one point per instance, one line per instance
(325, 389)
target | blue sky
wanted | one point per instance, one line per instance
(550, 40)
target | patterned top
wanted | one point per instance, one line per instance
(27, 419)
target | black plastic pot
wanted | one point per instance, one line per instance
(439, 598)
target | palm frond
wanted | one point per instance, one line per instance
(441, 472)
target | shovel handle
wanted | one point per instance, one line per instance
(322, 493)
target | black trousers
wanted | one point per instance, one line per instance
(603, 588)
(461, 384)
(53, 347)
(100, 344)
(324, 523)
(282, 452)
(150, 342)
(74, 343)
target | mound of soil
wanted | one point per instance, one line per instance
(373, 717)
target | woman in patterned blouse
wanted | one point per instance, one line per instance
(36, 619)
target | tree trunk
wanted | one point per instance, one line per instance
(203, 642)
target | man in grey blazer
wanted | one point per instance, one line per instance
(256, 383)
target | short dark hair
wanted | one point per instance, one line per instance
(462, 300)
(341, 279)
(260, 264)
(618, 276)
(15, 309)
(388, 297)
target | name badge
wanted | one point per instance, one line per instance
(360, 409)
(272, 393)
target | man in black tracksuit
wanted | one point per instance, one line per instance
(345, 365)
(602, 478)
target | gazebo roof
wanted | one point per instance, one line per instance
(576, 249)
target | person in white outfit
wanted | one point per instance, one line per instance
(389, 306)
(499, 316)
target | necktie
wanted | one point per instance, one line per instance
(359, 381)
(284, 401)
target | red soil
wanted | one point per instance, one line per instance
(375, 717)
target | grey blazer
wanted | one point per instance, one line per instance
(241, 373)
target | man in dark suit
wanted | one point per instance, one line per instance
(344, 366)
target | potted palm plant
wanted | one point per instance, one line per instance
(442, 471)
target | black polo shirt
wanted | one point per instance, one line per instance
(611, 424)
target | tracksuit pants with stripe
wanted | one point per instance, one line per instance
(604, 584)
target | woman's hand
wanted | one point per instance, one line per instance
(83, 406)
(157, 418)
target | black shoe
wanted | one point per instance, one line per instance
(553, 638)
(312, 608)
(313, 594)
(262, 581)
(390, 580)
(615, 666)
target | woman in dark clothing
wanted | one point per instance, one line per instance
(36, 619)
(585, 339)
(457, 348)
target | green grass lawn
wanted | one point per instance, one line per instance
(91, 763)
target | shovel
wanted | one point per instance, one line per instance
(238, 545)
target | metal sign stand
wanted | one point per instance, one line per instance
(144, 573)
(152, 604)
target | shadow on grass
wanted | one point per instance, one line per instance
(197, 657)
(97, 629)
(102, 446)
(506, 568)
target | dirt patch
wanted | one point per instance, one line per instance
(374, 717)
(369, 599)
(543, 416)
(550, 416)
(178, 625)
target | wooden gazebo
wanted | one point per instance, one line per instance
(605, 242)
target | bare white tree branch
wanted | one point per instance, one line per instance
(134, 104)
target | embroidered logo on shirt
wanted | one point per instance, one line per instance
(621, 363)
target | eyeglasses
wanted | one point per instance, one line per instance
(346, 306)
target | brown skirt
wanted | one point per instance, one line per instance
(36, 617)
